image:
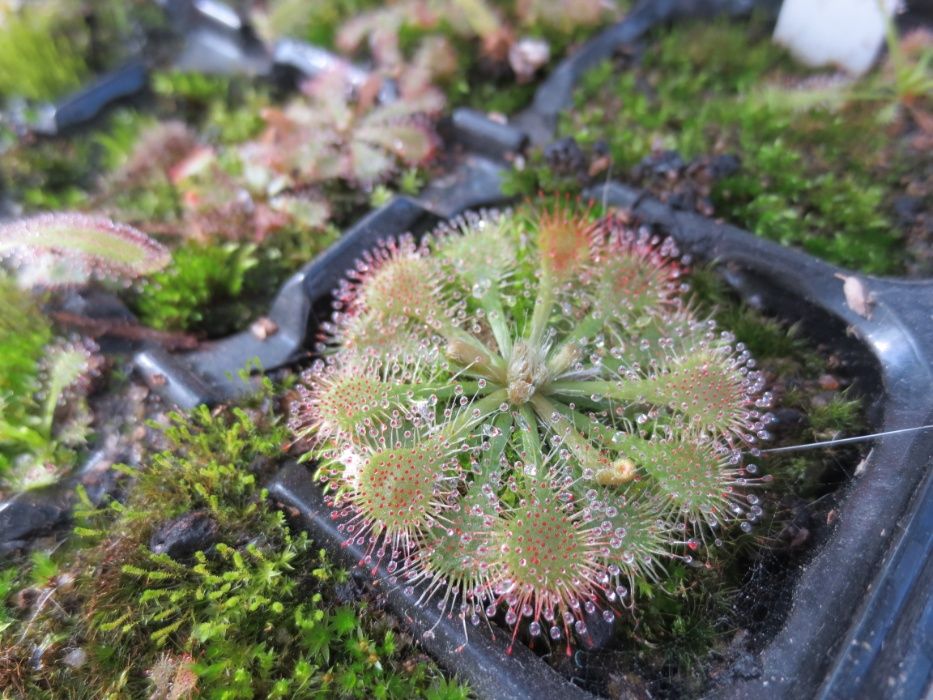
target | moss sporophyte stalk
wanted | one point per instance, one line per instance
(523, 414)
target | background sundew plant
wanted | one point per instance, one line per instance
(523, 414)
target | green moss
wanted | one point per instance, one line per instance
(50, 48)
(229, 110)
(536, 176)
(810, 175)
(9, 583)
(38, 60)
(196, 88)
(44, 414)
(254, 616)
(835, 415)
(765, 337)
(24, 334)
(199, 291)
(679, 621)
(48, 175)
(502, 98)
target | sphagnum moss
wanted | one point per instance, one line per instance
(523, 414)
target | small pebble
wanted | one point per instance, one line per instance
(526, 56)
(181, 537)
(263, 327)
(75, 658)
(828, 382)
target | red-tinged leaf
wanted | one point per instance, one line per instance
(159, 149)
(369, 163)
(419, 105)
(410, 142)
(565, 240)
(563, 14)
(329, 92)
(97, 244)
(304, 211)
(197, 161)
(380, 30)
(435, 58)
(469, 17)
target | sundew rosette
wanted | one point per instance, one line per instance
(522, 413)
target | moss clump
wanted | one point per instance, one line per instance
(816, 174)
(50, 48)
(24, 333)
(229, 111)
(38, 60)
(199, 290)
(44, 416)
(252, 614)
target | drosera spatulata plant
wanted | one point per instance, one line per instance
(337, 132)
(522, 414)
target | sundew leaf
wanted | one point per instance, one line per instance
(66, 366)
(87, 245)
(410, 142)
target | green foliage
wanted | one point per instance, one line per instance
(188, 87)
(199, 290)
(503, 97)
(253, 616)
(838, 414)
(58, 174)
(114, 142)
(24, 334)
(38, 437)
(765, 337)
(38, 60)
(8, 584)
(810, 175)
(49, 48)
(445, 689)
(680, 618)
(47, 175)
(229, 110)
(42, 568)
(536, 177)
(156, 202)
(315, 22)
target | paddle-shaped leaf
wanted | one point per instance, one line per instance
(70, 248)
